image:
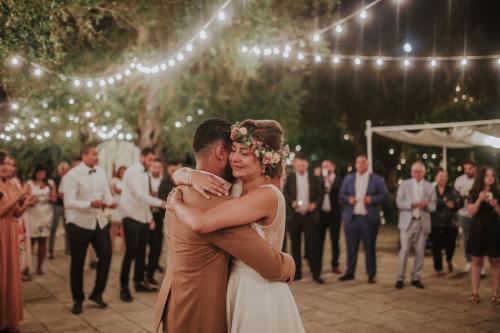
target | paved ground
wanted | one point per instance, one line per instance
(335, 307)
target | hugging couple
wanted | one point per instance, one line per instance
(225, 226)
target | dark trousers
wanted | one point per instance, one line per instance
(79, 240)
(155, 244)
(307, 224)
(359, 228)
(58, 215)
(443, 239)
(136, 238)
(332, 222)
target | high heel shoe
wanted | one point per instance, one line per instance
(474, 298)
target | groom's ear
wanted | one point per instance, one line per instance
(220, 152)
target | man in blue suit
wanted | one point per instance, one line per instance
(362, 193)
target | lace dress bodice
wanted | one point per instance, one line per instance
(275, 232)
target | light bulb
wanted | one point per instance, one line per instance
(14, 106)
(339, 28)
(155, 69)
(256, 50)
(317, 58)
(76, 83)
(71, 101)
(178, 124)
(316, 37)
(407, 47)
(38, 71)
(189, 119)
(357, 61)
(203, 34)
(288, 48)
(363, 15)
(200, 112)
(221, 16)
(498, 61)
(180, 56)
(464, 62)
(102, 83)
(267, 51)
(244, 49)
(128, 72)
(433, 63)
(111, 80)
(118, 77)
(276, 50)
(335, 59)
(90, 84)
(163, 67)
(189, 47)
(286, 54)
(300, 56)
(14, 61)
(406, 63)
(171, 62)
(380, 61)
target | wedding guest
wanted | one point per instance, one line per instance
(463, 185)
(116, 214)
(444, 230)
(58, 211)
(484, 237)
(12, 204)
(304, 193)
(156, 177)
(330, 213)
(136, 202)
(416, 200)
(362, 194)
(24, 238)
(172, 167)
(86, 195)
(39, 213)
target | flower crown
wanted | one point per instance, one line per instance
(268, 157)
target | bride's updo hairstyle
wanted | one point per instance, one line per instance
(270, 133)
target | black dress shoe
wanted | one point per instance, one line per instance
(318, 280)
(144, 288)
(336, 270)
(372, 279)
(77, 308)
(152, 281)
(399, 285)
(417, 284)
(97, 299)
(346, 277)
(125, 295)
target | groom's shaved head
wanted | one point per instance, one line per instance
(210, 132)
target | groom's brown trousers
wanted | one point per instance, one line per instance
(193, 293)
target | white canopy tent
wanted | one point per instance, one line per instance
(465, 134)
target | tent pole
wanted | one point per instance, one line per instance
(369, 149)
(444, 162)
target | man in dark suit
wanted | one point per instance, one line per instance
(362, 193)
(304, 193)
(330, 213)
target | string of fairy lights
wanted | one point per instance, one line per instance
(135, 66)
(290, 50)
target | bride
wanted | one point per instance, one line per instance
(258, 162)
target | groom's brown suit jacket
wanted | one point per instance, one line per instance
(192, 297)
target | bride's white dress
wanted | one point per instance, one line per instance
(255, 304)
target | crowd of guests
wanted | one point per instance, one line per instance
(95, 211)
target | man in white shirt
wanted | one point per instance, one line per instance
(136, 202)
(463, 185)
(416, 200)
(304, 193)
(156, 178)
(86, 195)
(330, 213)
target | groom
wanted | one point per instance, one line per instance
(193, 294)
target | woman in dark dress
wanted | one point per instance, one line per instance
(484, 231)
(444, 230)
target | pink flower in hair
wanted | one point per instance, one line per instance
(234, 133)
(267, 158)
(243, 131)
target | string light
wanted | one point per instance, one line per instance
(221, 16)
(433, 63)
(37, 71)
(14, 61)
(316, 37)
(14, 106)
(339, 28)
(380, 61)
(406, 63)
(317, 58)
(464, 62)
(335, 59)
(357, 61)
(407, 47)
(363, 14)
(203, 34)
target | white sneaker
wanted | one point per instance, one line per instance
(467, 267)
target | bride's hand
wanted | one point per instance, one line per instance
(205, 183)
(173, 199)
